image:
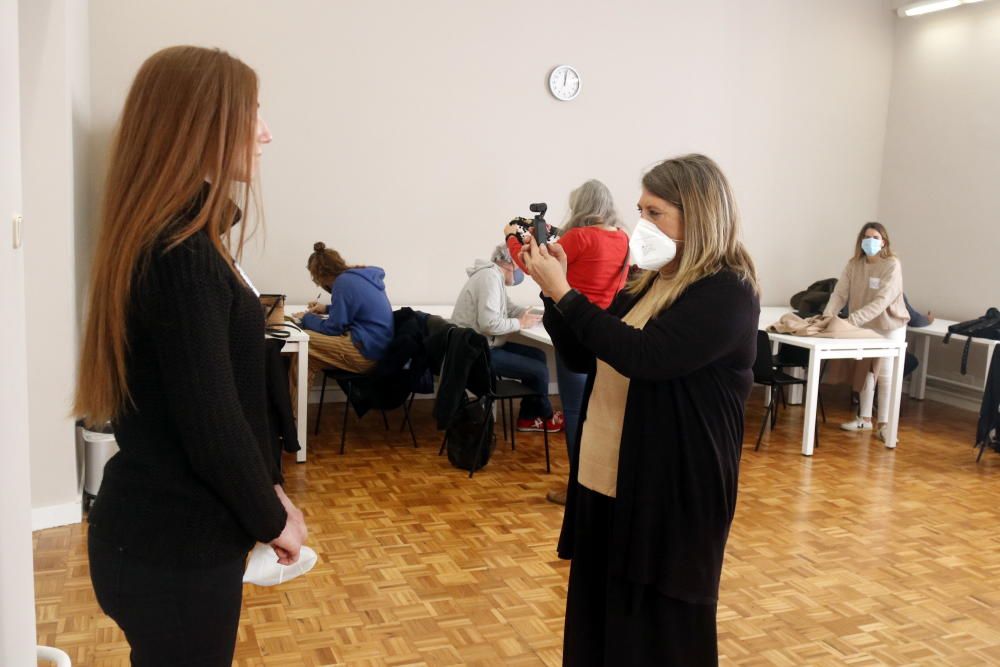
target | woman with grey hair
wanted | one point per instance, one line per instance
(483, 305)
(597, 251)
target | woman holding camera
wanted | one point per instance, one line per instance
(173, 355)
(653, 489)
(351, 332)
(597, 263)
(871, 286)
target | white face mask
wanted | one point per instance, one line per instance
(651, 248)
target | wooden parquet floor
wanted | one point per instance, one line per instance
(858, 556)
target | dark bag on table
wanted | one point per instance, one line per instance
(987, 326)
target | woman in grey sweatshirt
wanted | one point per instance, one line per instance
(483, 305)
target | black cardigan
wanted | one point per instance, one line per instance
(193, 483)
(690, 375)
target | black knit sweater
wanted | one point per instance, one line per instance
(192, 485)
(689, 371)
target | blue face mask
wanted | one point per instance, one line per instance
(871, 246)
(518, 276)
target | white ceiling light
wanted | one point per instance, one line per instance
(928, 6)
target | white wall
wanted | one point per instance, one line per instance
(17, 603)
(407, 134)
(53, 58)
(940, 196)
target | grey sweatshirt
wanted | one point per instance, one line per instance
(483, 304)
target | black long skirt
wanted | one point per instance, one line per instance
(613, 622)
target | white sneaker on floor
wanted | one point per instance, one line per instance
(857, 425)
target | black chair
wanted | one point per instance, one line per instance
(499, 390)
(793, 356)
(347, 380)
(765, 373)
(505, 391)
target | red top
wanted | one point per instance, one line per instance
(597, 266)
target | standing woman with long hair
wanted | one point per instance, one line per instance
(653, 491)
(173, 356)
(871, 287)
(597, 254)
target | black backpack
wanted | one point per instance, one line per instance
(987, 326)
(470, 436)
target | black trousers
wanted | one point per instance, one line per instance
(611, 622)
(169, 616)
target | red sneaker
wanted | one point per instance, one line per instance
(554, 424)
(530, 425)
(557, 422)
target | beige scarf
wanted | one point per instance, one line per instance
(602, 431)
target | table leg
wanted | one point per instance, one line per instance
(812, 399)
(990, 347)
(303, 399)
(918, 382)
(892, 432)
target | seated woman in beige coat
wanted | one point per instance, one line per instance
(871, 286)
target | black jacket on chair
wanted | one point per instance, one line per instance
(989, 412)
(284, 435)
(460, 356)
(400, 370)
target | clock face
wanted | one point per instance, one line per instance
(564, 83)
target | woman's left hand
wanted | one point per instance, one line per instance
(547, 266)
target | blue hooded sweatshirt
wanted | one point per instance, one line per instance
(359, 306)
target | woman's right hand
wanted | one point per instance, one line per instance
(546, 264)
(288, 544)
(316, 308)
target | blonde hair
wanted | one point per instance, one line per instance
(591, 204)
(698, 188)
(884, 253)
(189, 117)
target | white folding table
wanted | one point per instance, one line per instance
(921, 348)
(821, 349)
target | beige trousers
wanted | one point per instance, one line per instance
(335, 352)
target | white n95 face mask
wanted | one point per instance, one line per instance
(651, 248)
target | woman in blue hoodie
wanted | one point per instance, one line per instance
(354, 330)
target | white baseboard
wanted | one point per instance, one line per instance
(56, 515)
(955, 399)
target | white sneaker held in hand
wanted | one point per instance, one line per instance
(263, 568)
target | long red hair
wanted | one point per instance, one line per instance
(190, 117)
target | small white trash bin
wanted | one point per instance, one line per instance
(99, 446)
